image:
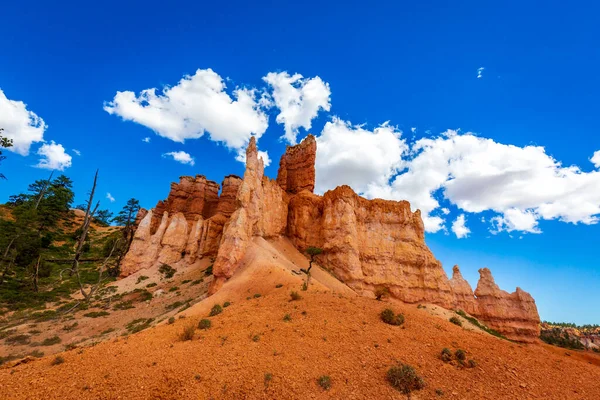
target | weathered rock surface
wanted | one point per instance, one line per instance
(368, 244)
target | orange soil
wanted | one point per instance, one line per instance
(340, 335)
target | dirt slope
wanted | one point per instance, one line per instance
(331, 332)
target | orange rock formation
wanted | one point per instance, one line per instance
(368, 244)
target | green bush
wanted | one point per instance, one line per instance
(381, 292)
(295, 296)
(141, 278)
(167, 271)
(171, 320)
(404, 378)
(204, 324)
(287, 317)
(226, 304)
(256, 295)
(460, 355)
(187, 333)
(57, 360)
(216, 310)
(279, 285)
(151, 284)
(472, 364)
(456, 321)
(446, 355)
(51, 341)
(96, 314)
(390, 318)
(18, 340)
(324, 381)
(208, 270)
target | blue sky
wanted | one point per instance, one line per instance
(528, 168)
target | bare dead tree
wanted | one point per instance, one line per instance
(36, 274)
(43, 191)
(89, 214)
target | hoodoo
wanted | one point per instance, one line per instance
(368, 244)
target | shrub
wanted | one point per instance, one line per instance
(446, 355)
(472, 364)
(390, 318)
(57, 360)
(141, 278)
(381, 292)
(124, 305)
(287, 317)
(173, 306)
(268, 378)
(69, 328)
(596, 349)
(187, 333)
(174, 289)
(152, 284)
(460, 355)
(216, 310)
(324, 381)
(171, 320)
(167, 271)
(226, 304)
(186, 281)
(197, 282)
(18, 340)
(51, 341)
(255, 338)
(439, 392)
(404, 378)
(295, 296)
(204, 324)
(96, 314)
(279, 285)
(138, 325)
(456, 321)
(475, 322)
(304, 287)
(256, 295)
(209, 270)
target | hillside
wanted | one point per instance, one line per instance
(250, 351)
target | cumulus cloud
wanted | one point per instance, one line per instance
(197, 104)
(21, 125)
(298, 99)
(480, 72)
(110, 197)
(241, 157)
(146, 140)
(353, 155)
(53, 156)
(180, 156)
(459, 228)
(596, 159)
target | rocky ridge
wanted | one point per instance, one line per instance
(368, 244)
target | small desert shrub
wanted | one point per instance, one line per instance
(456, 321)
(439, 392)
(167, 271)
(57, 360)
(255, 338)
(204, 324)
(256, 295)
(197, 282)
(37, 354)
(304, 287)
(51, 341)
(226, 304)
(152, 284)
(324, 381)
(69, 328)
(209, 270)
(268, 378)
(174, 289)
(107, 331)
(173, 306)
(18, 339)
(96, 314)
(138, 325)
(446, 355)
(460, 355)
(171, 320)
(295, 296)
(216, 310)
(186, 281)
(124, 305)
(187, 333)
(279, 285)
(287, 317)
(404, 378)
(596, 350)
(141, 279)
(390, 318)
(35, 332)
(381, 292)
(471, 364)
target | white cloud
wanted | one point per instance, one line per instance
(299, 100)
(197, 104)
(445, 211)
(53, 157)
(480, 72)
(413, 129)
(459, 228)
(109, 197)
(352, 155)
(77, 152)
(24, 127)
(180, 156)
(146, 140)
(596, 159)
(241, 157)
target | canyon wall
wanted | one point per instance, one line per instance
(367, 244)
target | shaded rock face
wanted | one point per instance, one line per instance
(367, 244)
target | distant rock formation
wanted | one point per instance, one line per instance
(368, 244)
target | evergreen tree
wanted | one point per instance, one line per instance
(4, 143)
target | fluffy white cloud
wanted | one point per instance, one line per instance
(596, 159)
(352, 155)
(24, 127)
(459, 228)
(110, 197)
(241, 157)
(53, 156)
(299, 100)
(197, 104)
(180, 156)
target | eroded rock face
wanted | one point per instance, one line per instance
(367, 244)
(512, 314)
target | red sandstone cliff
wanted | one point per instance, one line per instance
(368, 244)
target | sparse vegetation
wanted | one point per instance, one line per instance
(96, 314)
(287, 317)
(456, 321)
(124, 305)
(312, 252)
(404, 378)
(18, 340)
(187, 333)
(216, 310)
(209, 270)
(151, 284)
(197, 282)
(557, 337)
(381, 292)
(51, 341)
(174, 305)
(70, 327)
(324, 381)
(268, 378)
(255, 338)
(174, 289)
(295, 296)
(484, 328)
(256, 295)
(460, 355)
(138, 325)
(279, 285)
(167, 271)
(389, 317)
(446, 355)
(57, 360)
(171, 320)
(226, 304)
(140, 279)
(204, 324)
